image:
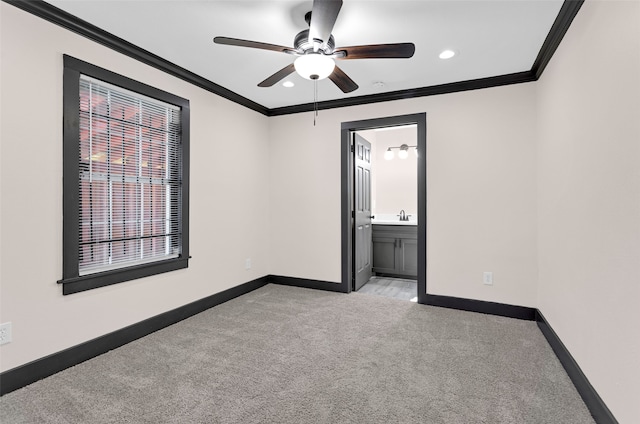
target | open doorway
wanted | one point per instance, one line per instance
(386, 212)
(398, 255)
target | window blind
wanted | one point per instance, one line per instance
(130, 178)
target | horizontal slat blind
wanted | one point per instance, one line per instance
(130, 178)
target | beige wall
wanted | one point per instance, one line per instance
(536, 182)
(229, 197)
(589, 199)
(481, 185)
(394, 183)
(396, 180)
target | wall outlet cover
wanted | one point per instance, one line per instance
(5, 333)
(487, 278)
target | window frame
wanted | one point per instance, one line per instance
(72, 281)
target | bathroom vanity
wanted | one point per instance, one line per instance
(395, 249)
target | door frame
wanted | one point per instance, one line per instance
(347, 188)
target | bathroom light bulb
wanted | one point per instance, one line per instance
(403, 154)
(388, 155)
(416, 151)
(314, 66)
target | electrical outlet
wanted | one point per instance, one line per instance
(5, 333)
(487, 278)
(247, 263)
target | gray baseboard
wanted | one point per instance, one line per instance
(31, 372)
(482, 306)
(306, 283)
(599, 410)
(36, 370)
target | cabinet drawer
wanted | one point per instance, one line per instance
(396, 231)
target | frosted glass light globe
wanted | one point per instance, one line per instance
(388, 155)
(314, 64)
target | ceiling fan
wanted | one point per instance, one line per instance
(315, 49)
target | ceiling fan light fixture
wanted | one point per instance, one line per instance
(316, 50)
(314, 66)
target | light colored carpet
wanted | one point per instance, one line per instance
(290, 355)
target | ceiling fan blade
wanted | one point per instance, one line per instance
(287, 70)
(342, 80)
(323, 17)
(253, 44)
(378, 51)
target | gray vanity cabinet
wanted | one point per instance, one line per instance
(395, 250)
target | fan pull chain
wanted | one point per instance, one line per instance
(315, 101)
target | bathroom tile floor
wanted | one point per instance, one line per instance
(396, 288)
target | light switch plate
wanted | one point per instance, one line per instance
(487, 278)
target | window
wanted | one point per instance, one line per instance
(125, 172)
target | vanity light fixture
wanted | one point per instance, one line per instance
(403, 151)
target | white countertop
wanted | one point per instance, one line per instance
(392, 222)
(389, 219)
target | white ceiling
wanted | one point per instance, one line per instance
(491, 38)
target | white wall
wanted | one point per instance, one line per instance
(396, 180)
(589, 199)
(394, 183)
(229, 197)
(526, 179)
(481, 191)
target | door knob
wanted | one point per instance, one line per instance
(372, 217)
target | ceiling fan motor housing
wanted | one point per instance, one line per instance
(316, 57)
(301, 43)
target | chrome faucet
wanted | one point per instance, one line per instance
(403, 216)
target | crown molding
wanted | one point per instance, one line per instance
(560, 26)
(46, 11)
(454, 87)
(66, 20)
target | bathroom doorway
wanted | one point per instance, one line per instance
(386, 207)
(384, 250)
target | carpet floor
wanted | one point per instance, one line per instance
(291, 355)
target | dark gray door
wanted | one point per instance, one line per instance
(362, 205)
